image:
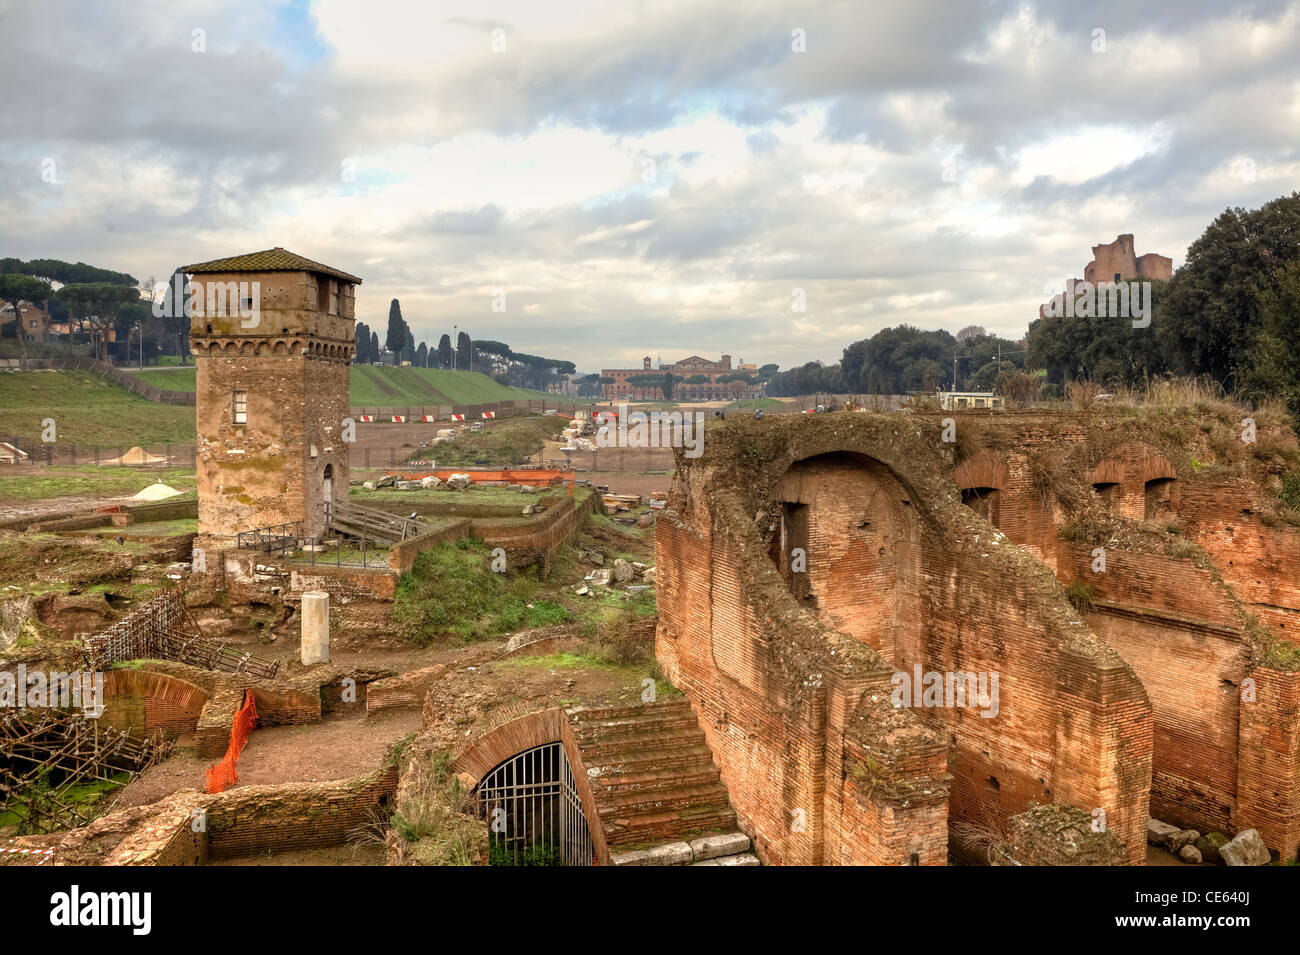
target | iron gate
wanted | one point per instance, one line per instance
(533, 810)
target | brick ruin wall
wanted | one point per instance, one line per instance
(899, 575)
(253, 820)
(1221, 761)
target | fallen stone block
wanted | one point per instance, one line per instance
(1209, 845)
(1190, 854)
(670, 853)
(710, 847)
(623, 571)
(1246, 848)
(1158, 833)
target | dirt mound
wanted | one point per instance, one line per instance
(155, 492)
(135, 456)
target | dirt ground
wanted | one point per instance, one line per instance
(11, 510)
(349, 855)
(337, 747)
(629, 482)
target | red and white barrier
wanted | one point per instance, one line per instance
(367, 419)
(399, 419)
(428, 418)
(458, 417)
(489, 414)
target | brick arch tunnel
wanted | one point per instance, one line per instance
(526, 790)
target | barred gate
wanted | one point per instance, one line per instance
(533, 810)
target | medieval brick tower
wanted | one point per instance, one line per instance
(272, 334)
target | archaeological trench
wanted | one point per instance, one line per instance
(1161, 683)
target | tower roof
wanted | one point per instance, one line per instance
(270, 260)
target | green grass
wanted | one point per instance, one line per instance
(175, 378)
(451, 592)
(88, 411)
(386, 385)
(182, 525)
(92, 412)
(109, 482)
(474, 494)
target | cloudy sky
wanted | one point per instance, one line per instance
(646, 177)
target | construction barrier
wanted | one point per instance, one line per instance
(223, 775)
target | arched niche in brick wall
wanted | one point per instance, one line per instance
(1136, 481)
(140, 702)
(843, 533)
(981, 480)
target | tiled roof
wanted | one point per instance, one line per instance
(271, 260)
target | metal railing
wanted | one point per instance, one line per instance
(270, 539)
(290, 543)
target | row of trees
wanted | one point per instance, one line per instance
(489, 357)
(906, 359)
(101, 303)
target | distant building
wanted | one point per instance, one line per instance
(1115, 262)
(707, 385)
(954, 400)
(35, 321)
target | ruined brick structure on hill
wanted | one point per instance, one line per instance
(272, 384)
(951, 559)
(1114, 262)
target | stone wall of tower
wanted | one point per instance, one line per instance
(290, 359)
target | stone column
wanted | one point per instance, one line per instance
(315, 627)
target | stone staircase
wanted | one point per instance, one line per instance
(659, 797)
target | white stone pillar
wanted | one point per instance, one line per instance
(315, 627)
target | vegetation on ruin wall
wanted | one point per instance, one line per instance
(88, 411)
(434, 822)
(1190, 423)
(452, 593)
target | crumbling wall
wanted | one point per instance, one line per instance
(1190, 577)
(784, 699)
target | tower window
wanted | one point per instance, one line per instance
(239, 404)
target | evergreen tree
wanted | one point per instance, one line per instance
(395, 340)
(361, 356)
(462, 352)
(444, 351)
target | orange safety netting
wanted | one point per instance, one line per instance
(223, 773)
